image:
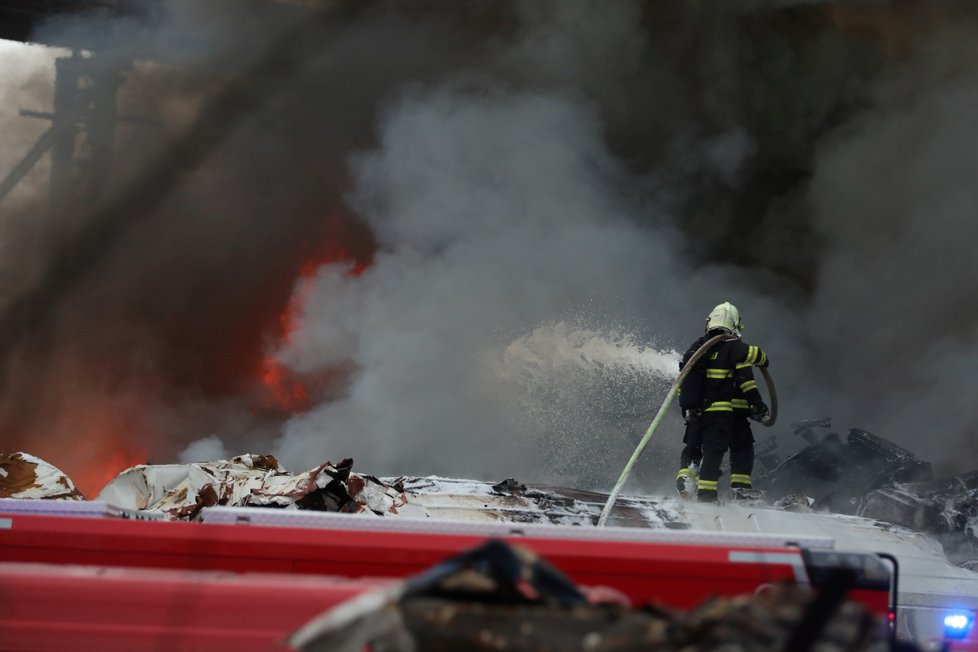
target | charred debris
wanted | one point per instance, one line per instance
(836, 473)
(869, 476)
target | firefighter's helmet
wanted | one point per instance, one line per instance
(725, 317)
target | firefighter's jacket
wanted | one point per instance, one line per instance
(722, 380)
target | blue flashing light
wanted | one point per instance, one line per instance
(958, 623)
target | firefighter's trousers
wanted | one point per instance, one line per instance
(718, 431)
(693, 449)
(741, 451)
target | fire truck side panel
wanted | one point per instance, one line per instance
(675, 574)
(46, 608)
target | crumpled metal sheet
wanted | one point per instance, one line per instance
(946, 509)
(26, 476)
(180, 491)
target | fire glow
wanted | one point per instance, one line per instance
(93, 477)
(104, 445)
(285, 390)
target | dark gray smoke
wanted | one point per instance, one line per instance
(545, 198)
(894, 202)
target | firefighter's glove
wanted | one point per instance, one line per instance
(759, 412)
(691, 416)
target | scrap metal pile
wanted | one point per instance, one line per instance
(180, 491)
(869, 476)
(838, 474)
(946, 509)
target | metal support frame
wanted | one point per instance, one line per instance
(81, 137)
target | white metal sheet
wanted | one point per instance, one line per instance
(336, 521)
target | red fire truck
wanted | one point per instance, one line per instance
(89, 571)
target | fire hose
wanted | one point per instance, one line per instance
(699, 353)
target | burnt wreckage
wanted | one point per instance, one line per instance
(869, 476)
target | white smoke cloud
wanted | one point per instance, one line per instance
(501, 218)
(208, 449)
(500, 222)
(495, 213)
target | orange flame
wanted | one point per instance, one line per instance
(90, 479)
(95, 446)
(286, 390)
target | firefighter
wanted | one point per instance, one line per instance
(717, 397)
(741, 444)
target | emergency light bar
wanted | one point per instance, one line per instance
(957, 624)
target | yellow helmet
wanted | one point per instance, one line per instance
(725, 316)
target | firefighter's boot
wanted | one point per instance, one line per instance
(706, 491)
(686, 480)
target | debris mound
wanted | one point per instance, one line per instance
(838, 474)
(947, 509)
(180, 491)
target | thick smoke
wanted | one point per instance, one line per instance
(497, 211)
(147, 323)
(494, 213)
(206, 449)
(894, 199)
(524, 210)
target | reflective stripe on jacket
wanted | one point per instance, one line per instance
(722, 380)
